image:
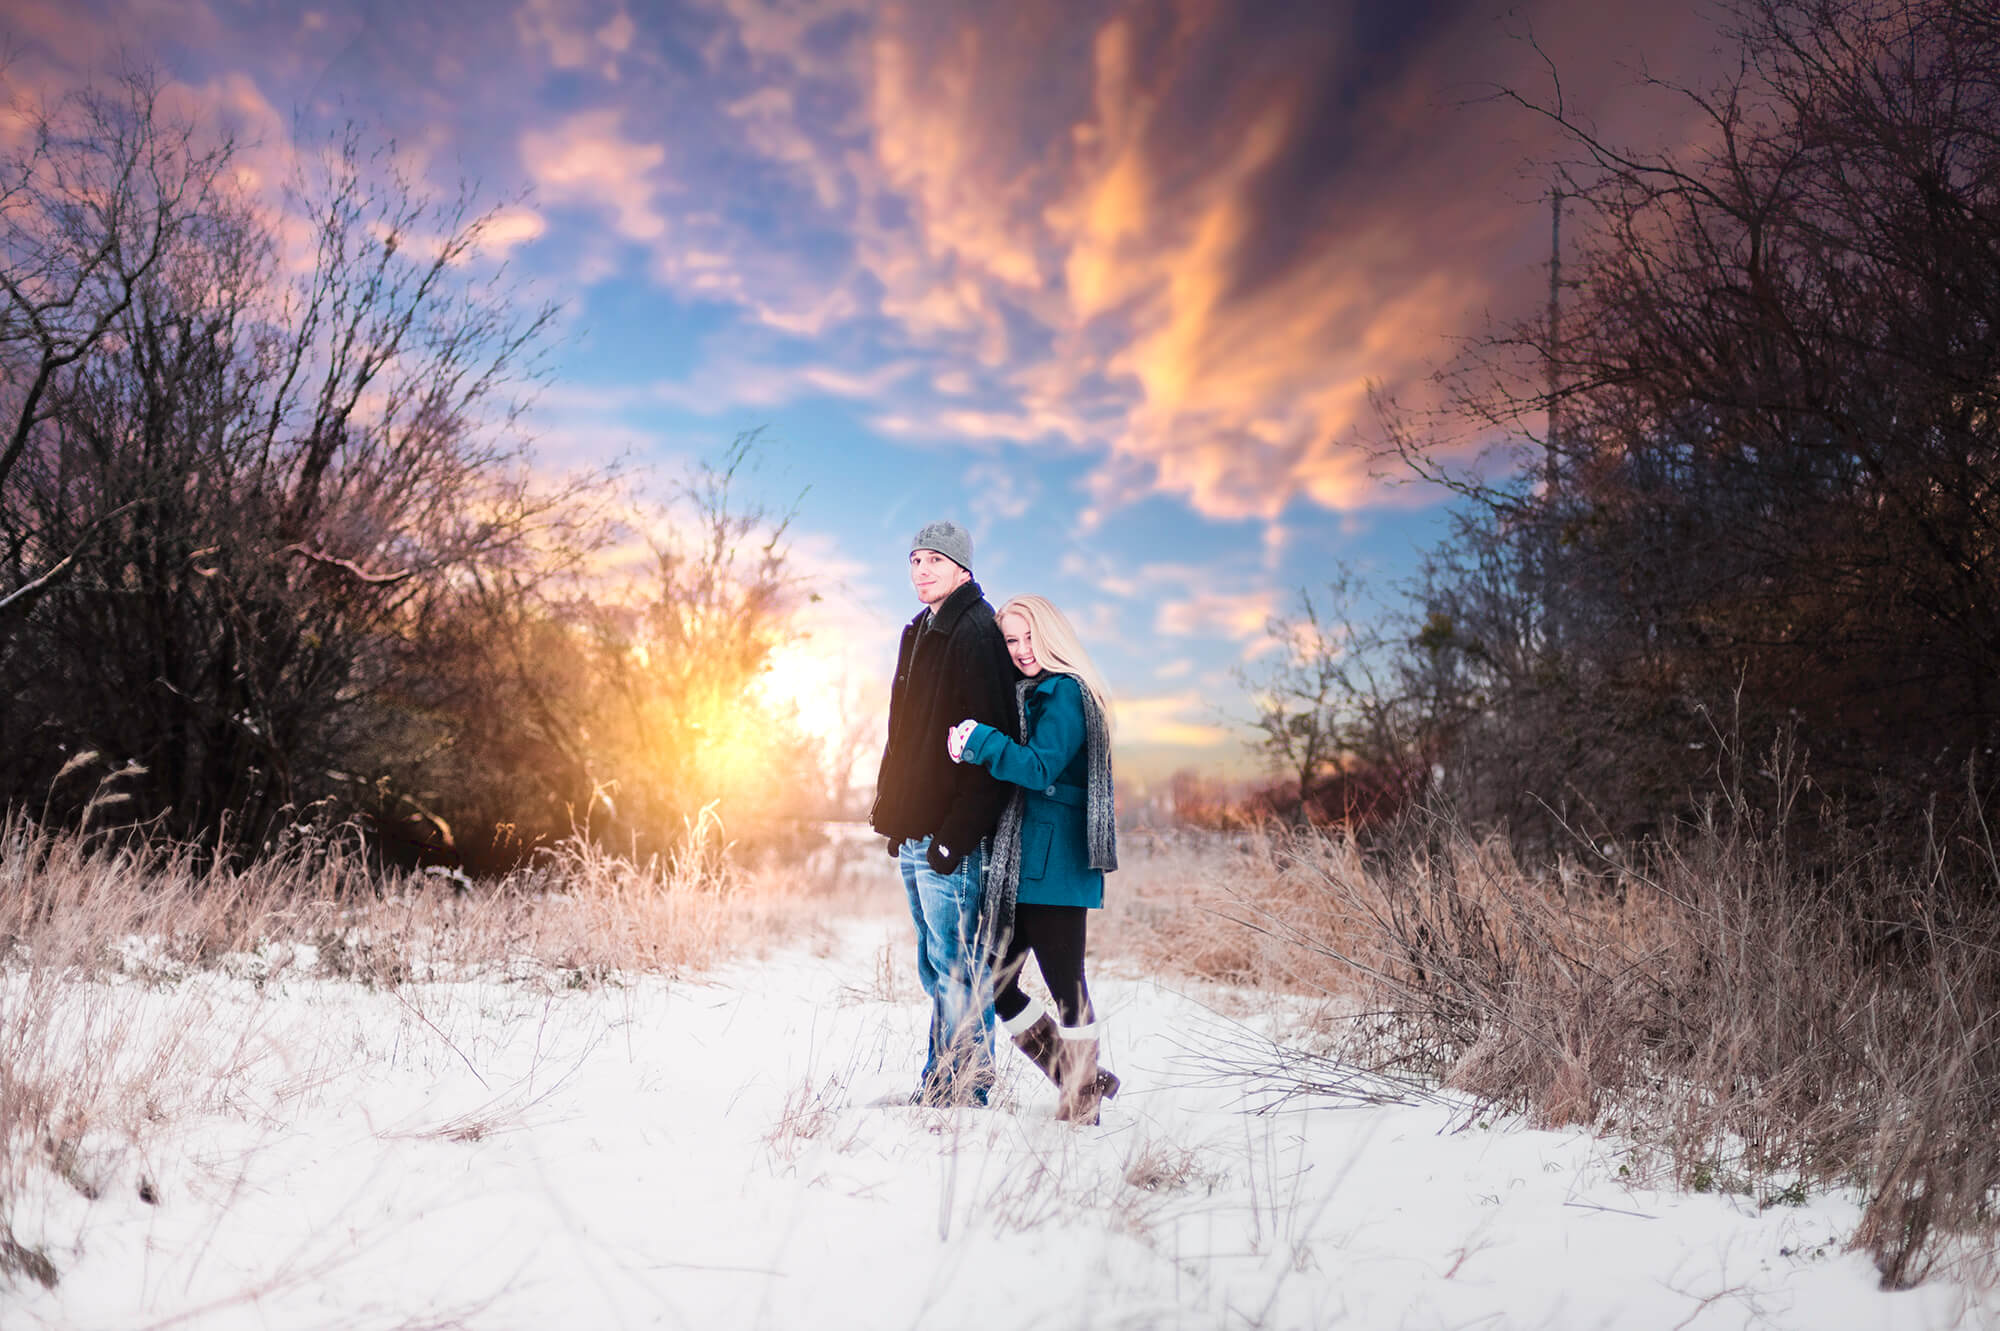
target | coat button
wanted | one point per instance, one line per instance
(1050, 791)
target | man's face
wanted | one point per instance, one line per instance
(935, 576)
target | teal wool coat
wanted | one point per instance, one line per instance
(1054, 770)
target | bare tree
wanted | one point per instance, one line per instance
(1341, 710)
(104, 192)
(254, 487)
(1777, 482)
(269, 532)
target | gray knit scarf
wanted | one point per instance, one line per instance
(1002, 883)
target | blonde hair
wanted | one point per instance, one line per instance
(1057, 647)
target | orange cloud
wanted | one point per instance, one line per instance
(1222, 225)
(1189, 235)
(1056, 225)
(1180, 719)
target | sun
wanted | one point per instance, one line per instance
(803, 680)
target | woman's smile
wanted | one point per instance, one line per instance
(1020, 643)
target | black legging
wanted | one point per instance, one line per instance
(1055, 934)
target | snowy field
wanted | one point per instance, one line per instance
(715, 1153)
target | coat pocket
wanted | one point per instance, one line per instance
(1035, 849)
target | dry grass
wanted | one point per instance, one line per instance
(108, 1029)
(1181, 895)
(1757, 1020)
(1053, 1181)
(811, 1113)
(1161, 1166)
(1757, 1023)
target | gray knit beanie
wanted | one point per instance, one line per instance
(948, 539)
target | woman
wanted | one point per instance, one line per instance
(1054, 844)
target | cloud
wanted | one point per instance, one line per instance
(1112, 576)
(568, 41)
(1276, 537)
(1171, 235)
(587, 159)
(62, 38)
(1187, 237)
(1191, 236)
(1176, 719)
(510, 228)
(1235, 616)
(1001, 493)
(731, 381)
(769, 120)
(964, 424)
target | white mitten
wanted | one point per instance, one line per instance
(955, 738)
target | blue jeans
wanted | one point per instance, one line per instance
(953, 967)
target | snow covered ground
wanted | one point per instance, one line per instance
(516, 1154)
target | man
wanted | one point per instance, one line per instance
(937, 814)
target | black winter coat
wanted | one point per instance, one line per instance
(952, 664)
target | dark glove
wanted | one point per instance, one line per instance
(943, 860)
(895, 846)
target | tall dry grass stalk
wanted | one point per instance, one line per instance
(109, 1027)
(1180, 893)
(1767, 1024)
(1758, 1020)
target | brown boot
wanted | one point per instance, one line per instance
(1034, 1033)
(1083, 1084)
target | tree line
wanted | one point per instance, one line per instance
(273, 546)
(1748, 483)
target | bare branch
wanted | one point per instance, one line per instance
(351, 568)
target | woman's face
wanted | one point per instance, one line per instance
(1020, 643)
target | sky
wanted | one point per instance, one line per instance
(1110, 283)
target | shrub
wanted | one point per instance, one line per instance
(1767, 1022)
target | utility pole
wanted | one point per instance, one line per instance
(1554, 329)
(1552, 441)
